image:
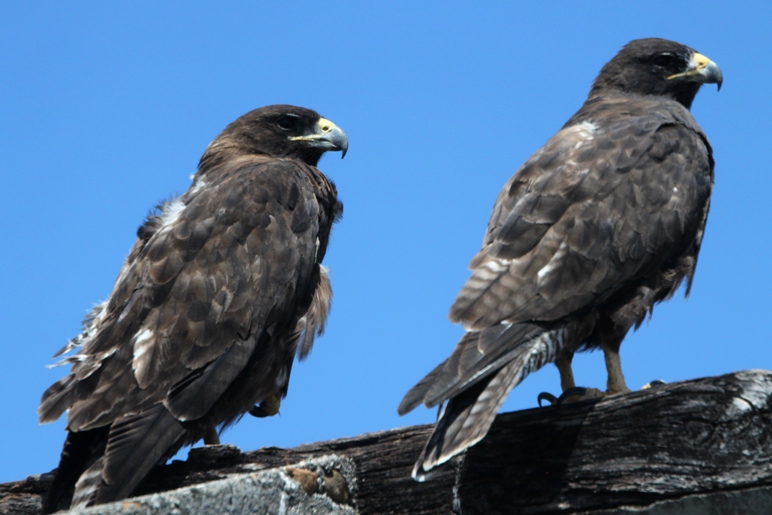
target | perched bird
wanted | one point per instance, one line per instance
(600, 224)
(222, 288)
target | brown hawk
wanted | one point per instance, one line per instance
(600, 224)
(222, 288)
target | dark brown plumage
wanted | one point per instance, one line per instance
(223, 286)
(601, 223)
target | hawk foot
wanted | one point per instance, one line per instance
(574, 394)
(268, 408)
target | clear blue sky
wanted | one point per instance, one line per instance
(106, 107)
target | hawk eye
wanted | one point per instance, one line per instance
(288, 122)
(666, 61)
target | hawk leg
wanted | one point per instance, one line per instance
(267, 408)
(616, 380)
(211, 437)
(571, 392)
(563, 362)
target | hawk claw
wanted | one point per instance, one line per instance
(546, 396)
(573, 394)
(259, 412)
(267, 408)
(579, 393)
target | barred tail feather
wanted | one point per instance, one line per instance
(466, 418)
(81, 450)
(87, 487)
(417, 393)
(136, 444)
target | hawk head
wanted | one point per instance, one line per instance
(277, 131)
(658, 67)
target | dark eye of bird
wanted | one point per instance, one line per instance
(288, 122)
(667, 61)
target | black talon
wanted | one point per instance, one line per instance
(576, 391)
(546, 396)
(259, 412)
(267, 408)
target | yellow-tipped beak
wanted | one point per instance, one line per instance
(702, 70)
(326, 135)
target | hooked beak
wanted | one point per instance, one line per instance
(702, 70)
(327, 136)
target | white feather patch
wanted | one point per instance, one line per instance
(553, 264)
(491, 269)
(91, 325)
(197, 185)
(171, 213)
(588, 128)
(585, 132)
(281, 378)
(142, 342)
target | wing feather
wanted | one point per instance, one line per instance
(191, 398)
(594, 209)
(196, 285)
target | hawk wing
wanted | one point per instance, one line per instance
(220, 276)
(594, 210)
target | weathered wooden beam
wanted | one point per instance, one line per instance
(674, 441)
(677, 441)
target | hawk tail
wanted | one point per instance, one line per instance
(87, 486)
(81, 450)
(136, 444)
(107, 463)
(465, 419)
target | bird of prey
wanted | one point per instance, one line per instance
(222, 288)
(600, 224)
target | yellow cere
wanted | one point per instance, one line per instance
(700, 60)
(325, 125)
